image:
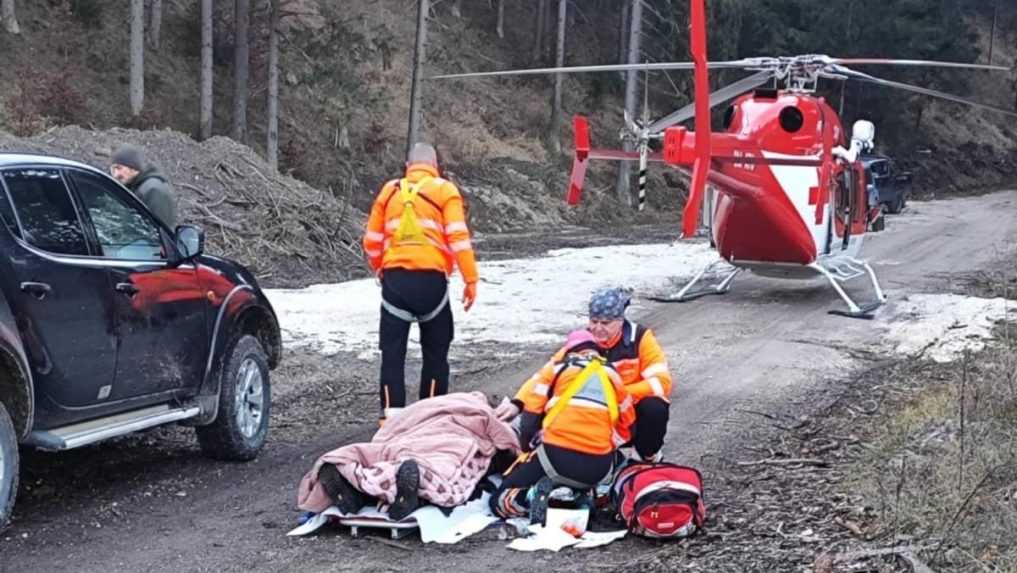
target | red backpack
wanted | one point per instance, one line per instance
(659, 500)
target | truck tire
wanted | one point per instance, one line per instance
(897, 205)
(245, 402)
(8, 467)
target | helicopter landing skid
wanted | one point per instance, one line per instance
(686, 293)
(846, 270)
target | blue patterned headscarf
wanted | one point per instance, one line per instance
(609, 303)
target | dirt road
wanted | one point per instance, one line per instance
(151, 503)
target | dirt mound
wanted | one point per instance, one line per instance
(288, 233)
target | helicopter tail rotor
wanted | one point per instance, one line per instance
(581, 130)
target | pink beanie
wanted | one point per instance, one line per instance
(579, 337)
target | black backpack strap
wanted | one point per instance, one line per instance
(557, 375)
(429, 200)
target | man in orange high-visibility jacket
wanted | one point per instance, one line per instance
(415, 234)
(635, 354)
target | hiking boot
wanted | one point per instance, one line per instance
(538, 497)
(340, 491)
(407, 484)
(654, 459)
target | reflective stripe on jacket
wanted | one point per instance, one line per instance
(439, 212)
(585, 424)
(641, 363)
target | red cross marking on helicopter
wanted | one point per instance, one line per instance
(813, 195)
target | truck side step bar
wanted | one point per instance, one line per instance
(84, 433)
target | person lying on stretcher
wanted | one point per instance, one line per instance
(435, 450)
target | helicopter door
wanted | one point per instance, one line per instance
(849, 209)
(860, 200)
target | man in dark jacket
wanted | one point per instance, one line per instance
(131, 169)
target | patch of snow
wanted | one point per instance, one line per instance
(943, 324)
(518, 301)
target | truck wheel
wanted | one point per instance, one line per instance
(245, 402)
(897, 206)
(8, 467)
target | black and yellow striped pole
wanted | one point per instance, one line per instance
(643, 150)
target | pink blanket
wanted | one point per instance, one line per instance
(451, 437)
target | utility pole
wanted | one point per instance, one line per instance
(137, 77)
(418, 65)
(207, 71)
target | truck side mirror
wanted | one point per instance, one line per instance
(190, 241)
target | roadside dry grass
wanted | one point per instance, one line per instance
(941, 467)
(941, 470)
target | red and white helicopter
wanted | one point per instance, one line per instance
(789, 197)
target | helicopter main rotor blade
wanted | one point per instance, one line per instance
(718, 97)
(649, 67)
(925, 63)
(852, 74)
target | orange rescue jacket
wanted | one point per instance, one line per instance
(439, 212)
(584, 424)
(641, 363)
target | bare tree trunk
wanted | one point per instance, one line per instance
(992, 32)
(155, 24)
(272, 149)
(137, 82)
(623, 36)
(549, 19)
(554, 131)
(207, 77)
(500, 28)
(416, 89)
(538, 43)
(241, 63)
(631, 89)
(9, 17)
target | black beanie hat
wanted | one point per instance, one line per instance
(130, 156)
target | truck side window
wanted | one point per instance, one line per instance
(47, 215)
(121, 228)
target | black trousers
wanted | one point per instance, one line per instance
(651, 424)
(419, 293)
(509, 500)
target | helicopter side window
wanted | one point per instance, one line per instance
(791, 119)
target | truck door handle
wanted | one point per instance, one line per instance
(127, 288)
(38, 290)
